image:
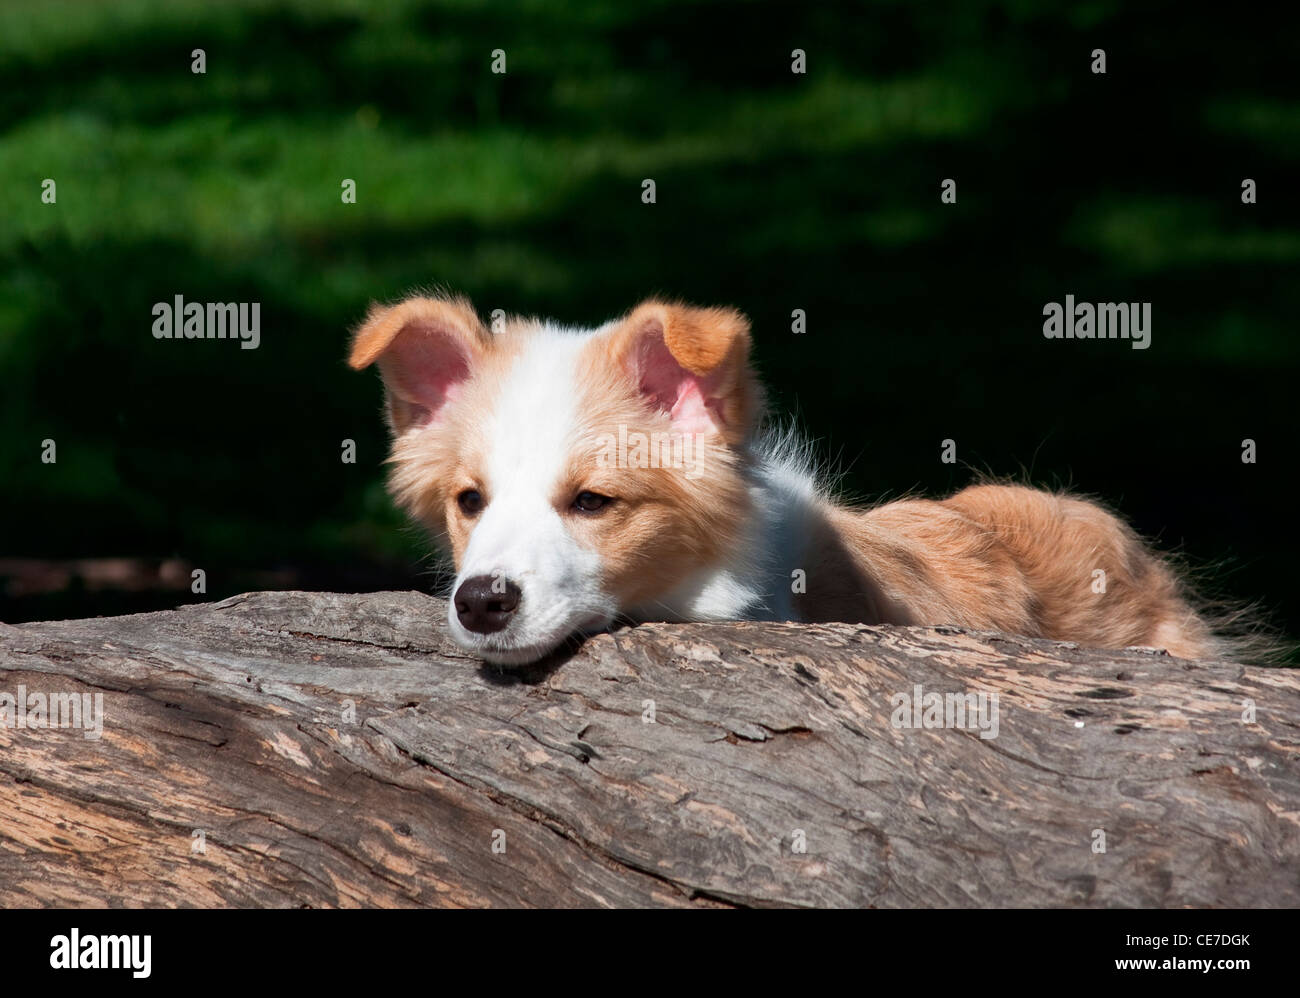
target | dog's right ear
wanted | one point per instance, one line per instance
(426, 349)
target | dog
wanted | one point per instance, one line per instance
(581, 478)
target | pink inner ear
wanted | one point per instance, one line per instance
(425, 367)
(685, 396)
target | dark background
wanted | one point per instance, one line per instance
(775, 192)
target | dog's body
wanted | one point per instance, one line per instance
(513, 447)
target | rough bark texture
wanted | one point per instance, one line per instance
(230, 719)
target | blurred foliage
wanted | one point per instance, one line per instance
(775, 191)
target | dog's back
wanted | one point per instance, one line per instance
(1010, 558)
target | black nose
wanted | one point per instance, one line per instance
(485, 602)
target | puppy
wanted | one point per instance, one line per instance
(581, 477)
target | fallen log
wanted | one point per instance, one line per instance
(315, 749)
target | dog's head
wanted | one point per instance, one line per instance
(575, 475)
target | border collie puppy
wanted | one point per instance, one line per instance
(582, 477)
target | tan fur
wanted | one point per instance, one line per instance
(1017, 559)
(663, 527)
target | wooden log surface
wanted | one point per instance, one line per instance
(315, 749)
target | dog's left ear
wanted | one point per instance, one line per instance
(692, 363)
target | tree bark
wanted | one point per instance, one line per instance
(314, 749)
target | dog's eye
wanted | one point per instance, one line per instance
(591, 502)
(470, 502)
